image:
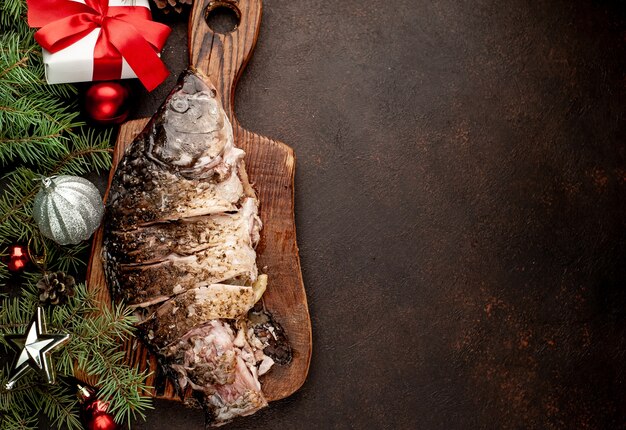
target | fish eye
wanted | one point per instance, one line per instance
(180, 105)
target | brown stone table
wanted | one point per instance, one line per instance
(460, 205)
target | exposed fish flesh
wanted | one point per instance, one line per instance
(180, 234)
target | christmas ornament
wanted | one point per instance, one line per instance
(168, 6)
(18, 257)
(34, 349)
(107, 103)
(55, 288)
(93, 412)
(39, 260)
(67, 209)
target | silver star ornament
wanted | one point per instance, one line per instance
(34, 349)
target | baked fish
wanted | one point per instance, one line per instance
(180, 234)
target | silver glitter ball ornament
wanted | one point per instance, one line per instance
(68, 209)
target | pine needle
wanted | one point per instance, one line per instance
(41, 135)
(93, 348)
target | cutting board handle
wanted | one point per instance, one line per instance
(222, 57)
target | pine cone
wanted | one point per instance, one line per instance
(55, 288)
(166, 6)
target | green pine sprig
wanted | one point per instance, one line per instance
(93, 349)
(41, 134)
(12, 16)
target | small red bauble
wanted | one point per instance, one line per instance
(107, 102)
(102, 422)
(18, 257)
(94, 413)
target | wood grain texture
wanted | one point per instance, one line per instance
(271, 167)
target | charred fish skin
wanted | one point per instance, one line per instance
(180, 233)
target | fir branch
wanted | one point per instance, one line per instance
(60, 406)
(16, 206)
(14, 420)
(41, 135)
(30, 148)
(122, 386)
(15, 62)
(68, 258)
(19, 63)
(14, 317)
(17, 406)
(4, 269)
(37, 122)
(12, 14)
(94, 344)
(89, 152)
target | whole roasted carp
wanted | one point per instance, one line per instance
(181, 229)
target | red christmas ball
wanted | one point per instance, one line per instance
(94, 412)
(103, 421)
(107, 102)
(18, 257)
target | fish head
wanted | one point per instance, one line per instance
(193, 129)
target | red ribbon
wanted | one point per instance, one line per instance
(126, 31)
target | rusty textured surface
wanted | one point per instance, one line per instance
(460, 204)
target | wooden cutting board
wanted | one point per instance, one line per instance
(270, 165)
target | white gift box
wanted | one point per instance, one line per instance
(75, 63)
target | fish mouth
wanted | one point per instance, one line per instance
(192, 81)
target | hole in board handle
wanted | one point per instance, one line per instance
(222, 17)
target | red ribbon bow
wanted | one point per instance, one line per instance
(126, 31)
